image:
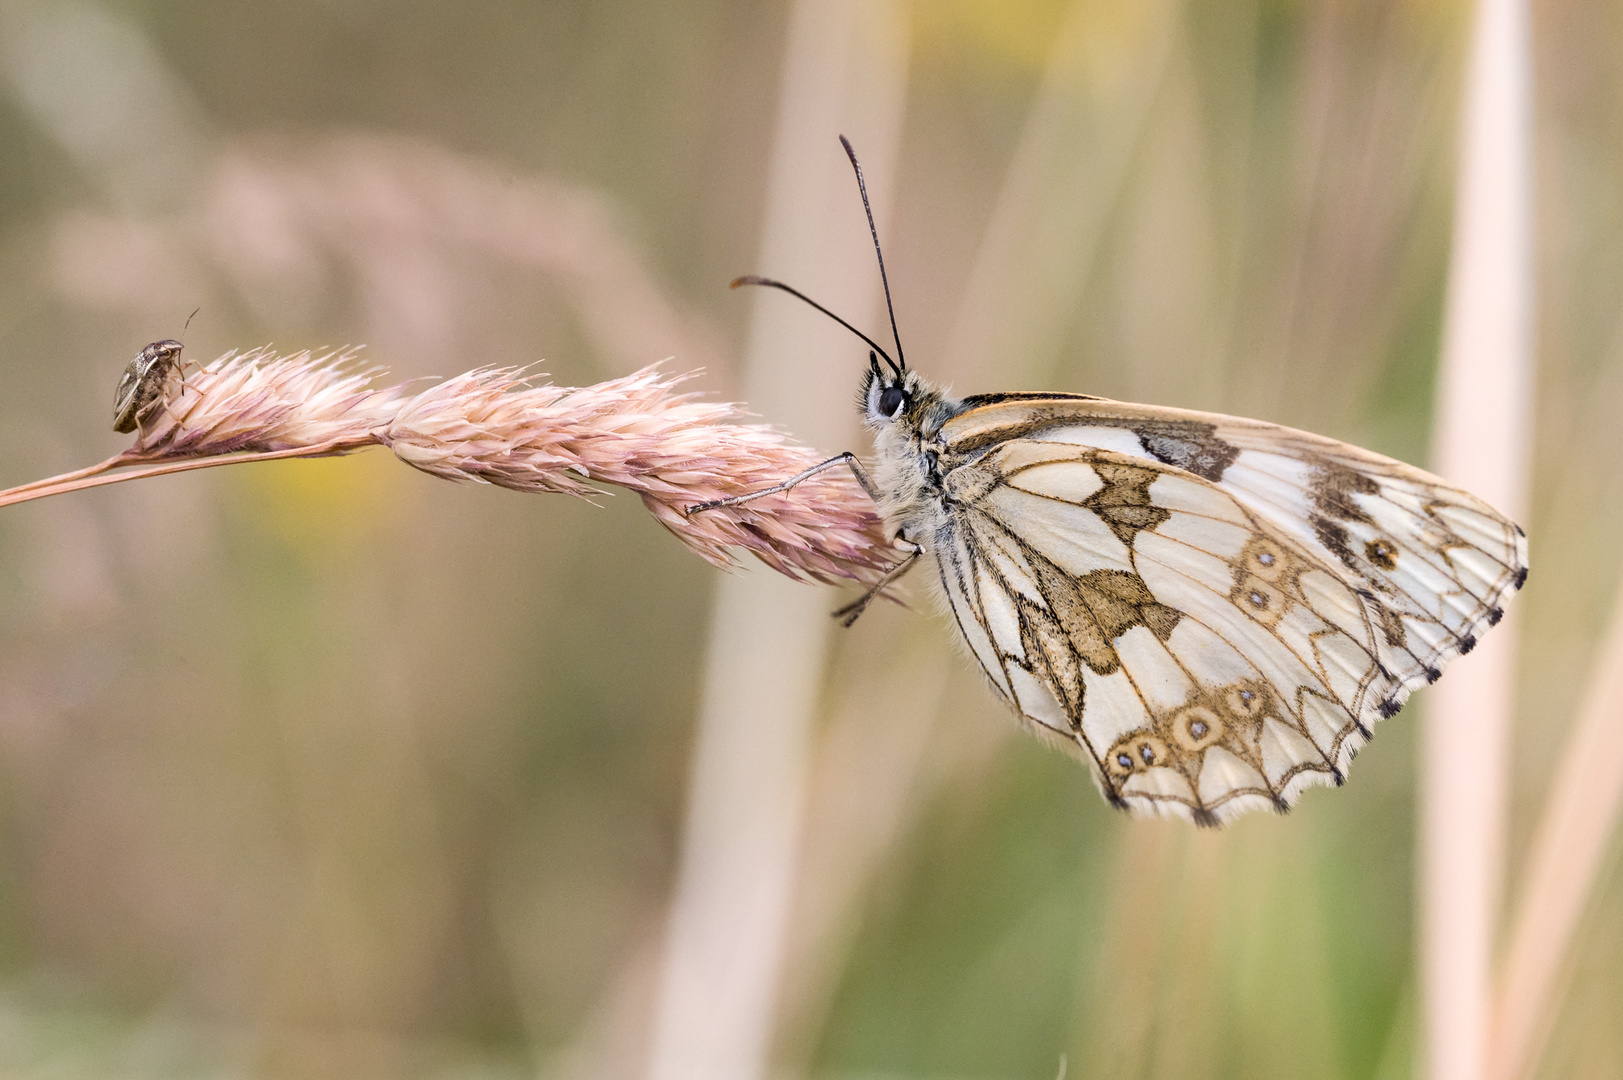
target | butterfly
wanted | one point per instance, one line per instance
(1211, 612)
(143, 381)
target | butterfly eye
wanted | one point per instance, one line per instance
(891, 400)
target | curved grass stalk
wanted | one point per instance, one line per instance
(94, 476)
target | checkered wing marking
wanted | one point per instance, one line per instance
(1433, 566)
(1204, 659)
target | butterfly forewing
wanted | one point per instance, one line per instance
(1213, 612)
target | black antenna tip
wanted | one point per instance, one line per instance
(873, 230)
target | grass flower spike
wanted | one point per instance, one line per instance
(257, 401)
(673, 449)
(497, 426)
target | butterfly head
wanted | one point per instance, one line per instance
(903, 403)
(888, 396)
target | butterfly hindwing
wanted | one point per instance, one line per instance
(1170, 598)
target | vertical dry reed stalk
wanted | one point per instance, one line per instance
(1077, 142)
(1483, 422)
(1563, 866)
(496, 426)
(843, 71)
(870, 782)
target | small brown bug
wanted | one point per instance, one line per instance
(143, 382)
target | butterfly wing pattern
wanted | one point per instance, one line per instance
(1212, 611)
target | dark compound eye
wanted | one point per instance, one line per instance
(891, 400)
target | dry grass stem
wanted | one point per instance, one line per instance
(497, 426)
(1563, 866)
(1483, 433)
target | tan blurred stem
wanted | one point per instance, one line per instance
(1562, 869)
(68, 477)
(1068, 172)
(92, 477)
(871, 782)
(844, 72)
(1483, 424)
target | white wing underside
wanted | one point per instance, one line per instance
(1213, 647)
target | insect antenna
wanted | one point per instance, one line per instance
(752, 279)
(183, 363)
(862, 186)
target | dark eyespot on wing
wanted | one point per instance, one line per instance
(1381, 554)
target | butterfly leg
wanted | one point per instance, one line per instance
(850, 612)
(848, 459)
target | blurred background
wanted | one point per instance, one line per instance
(329, 769)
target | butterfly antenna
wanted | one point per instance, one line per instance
(862, 186)
(770, 283)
